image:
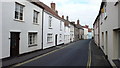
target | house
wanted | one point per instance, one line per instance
(21, 27)
(72, 27)
(85, 31)
(107, 25)
(78, 31)
(90, 33)
(53, 27)
(66, 30)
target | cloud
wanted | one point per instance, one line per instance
(84, 10)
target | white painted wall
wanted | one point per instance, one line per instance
(71, 32)
(66, 34)
(0, 30)
(55, 30)
(10, 24)
(108, 25)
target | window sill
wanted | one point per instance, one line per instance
(32, 45)
(19, 20)
(36, 23)
(49, 42)
(50, 28)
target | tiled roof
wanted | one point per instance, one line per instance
(45, 7)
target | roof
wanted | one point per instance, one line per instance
(102, 4)
(45, 7)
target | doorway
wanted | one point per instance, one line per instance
(14, 44)
(56, 40)
(106, 43)
(119, 45)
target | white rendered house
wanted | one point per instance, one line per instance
(21, 28)
(53, 27)
(66, 31)
(71, 31)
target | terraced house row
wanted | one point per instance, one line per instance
(30, 25)
(107, 30)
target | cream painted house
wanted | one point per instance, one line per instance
(109, 30)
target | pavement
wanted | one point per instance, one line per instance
(98, 57)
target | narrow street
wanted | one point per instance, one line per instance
(75, 54)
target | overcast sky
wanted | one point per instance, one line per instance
(84, 10)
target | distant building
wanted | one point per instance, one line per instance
(78, 31)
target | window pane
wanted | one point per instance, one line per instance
(21, 16)
(16, 15)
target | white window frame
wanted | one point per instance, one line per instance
(35, 17)
(19, 12)
(50, 22)
(32, 39)
(60, 25)
(105, 10)
(49, 38)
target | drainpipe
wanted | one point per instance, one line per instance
(42, 26)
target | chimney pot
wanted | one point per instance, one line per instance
(78, 22)
(67, 18)
(56, 11)
(62, 16)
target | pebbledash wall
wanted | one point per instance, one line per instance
(54, 30)
(10, 24)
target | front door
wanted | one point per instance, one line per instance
(14, 44)
(119, 45)
(56, 40)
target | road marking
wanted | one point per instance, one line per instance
(89, 56)
(35, 58)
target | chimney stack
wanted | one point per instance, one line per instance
(53, 6)
(78, 22)
(67, 18)
(62, 16)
